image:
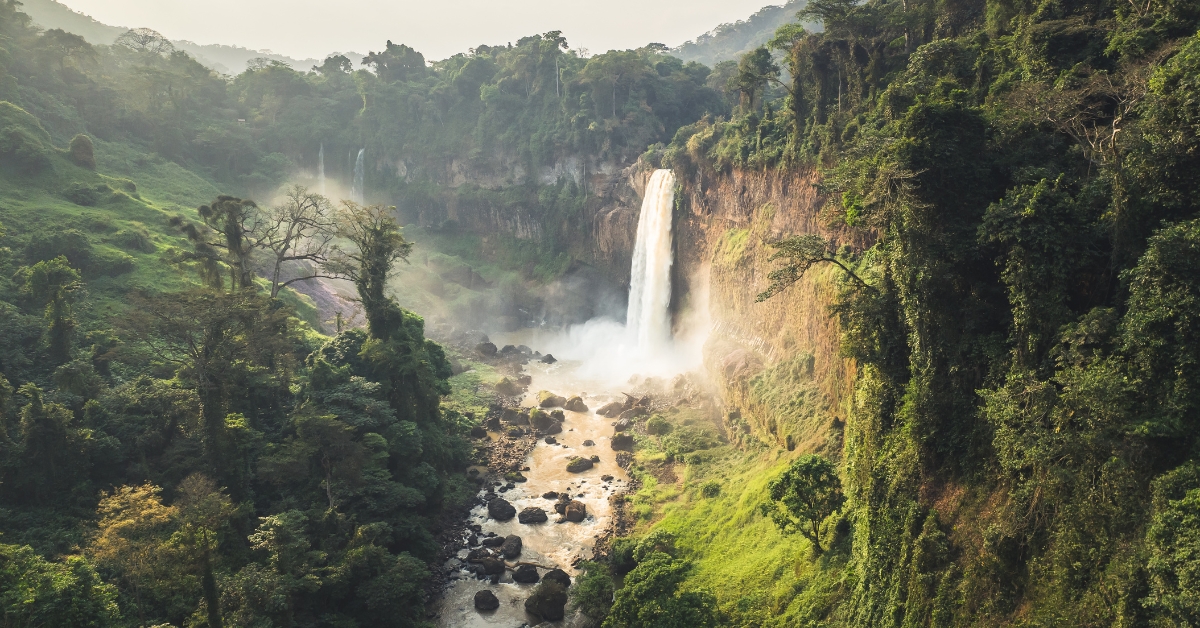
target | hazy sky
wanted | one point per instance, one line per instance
(437, 28)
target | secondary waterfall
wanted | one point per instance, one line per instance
(321, 169)
(356, 191)
(648, 318)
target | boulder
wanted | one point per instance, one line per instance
(548, 601)
(550, 495)
(479, 431)
(589, 443)
(558, 415)
(633, 413)
(514, 416)
(550, 440)
(576, 404)
(575, 511)
(540, 419)
(622, 425)
(594, 459)
(547, 399)
(493, 541)
(512, 546)
(559, 576)
(515, 432)
(524, 380)
(486, 601)
(579, 465)
(532, 514)
(492, 566)
(611, 410)
(478, 554)
(507, 387)
(486, 349)
(555, 428)
(548, 359)
(526, 574)
(622, 442)
(500, 510)
(508, 349)
(606, 478)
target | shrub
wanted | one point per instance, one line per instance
(657, 425)
(81, 152)
(710, 489)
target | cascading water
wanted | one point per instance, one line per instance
(356, 191)
(321, 169)
(648, 319)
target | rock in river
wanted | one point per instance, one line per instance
(576, 404)
(486, 601)
(547, 399)
(559, 576)
(486, 348)
(548, 601)
(492, 566)
(526, 574)
(512, 546)
(622, 442)
(611, 410)
(575, 511)
(532, 514)
(500, 510)
(579, 465)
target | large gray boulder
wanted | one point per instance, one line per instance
(511, 548)
(486, 601)
(548, 601)
(525, 574)
(500, 510)
(532, 514)
(575, 511)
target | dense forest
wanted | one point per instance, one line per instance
(183, 443)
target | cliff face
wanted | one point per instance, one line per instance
(776, 364)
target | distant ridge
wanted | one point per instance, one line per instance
(225, 59)
(731, 40)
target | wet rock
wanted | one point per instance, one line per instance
(550, 495)
(515, 476)
(558, 415)
(555, 428)
(524, 380)
(576, 404)
(515, 432)
(493, 423)
(526, 574)
(622, 442)
(495, 579)
(512, 546)
(550, 440)
(473, 540)
(548, 601)
(575, 511)
(540, 419)
(478, 554)
(479, 431)
(493, 541)
(559, 576)
(579, 465)
(622, 425)
(606, 478)
(508, 349)
(500, 510)
(595, 459)
(486, 601)
(589, 443)
(560, 507)
(548, 359)
(547, 399)
(524, 349)
(486, 349)
(492, 566)
(532, 514)
(507, 387)
(633, 413)
(514, 416)
(611, 410)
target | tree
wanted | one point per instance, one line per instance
(145, 40)
(650, 598)
(213, 338)
(397, 62)
(82, 153)
(203, 510)
(804, 496)
(299, 231)
(799, 254)
(234, 222)
(755, 69)
(131, 539)
(56, 286)
(379, 243)
(37, 592)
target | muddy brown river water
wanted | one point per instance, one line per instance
(550, 544)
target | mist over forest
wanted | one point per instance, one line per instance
(850, 313)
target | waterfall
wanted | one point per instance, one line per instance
(648, 318)
(321, 169)
(356, 192)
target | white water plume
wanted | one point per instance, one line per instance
(321, 169)
(648, 318)
(356, 191)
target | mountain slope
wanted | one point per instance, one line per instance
(729, 41)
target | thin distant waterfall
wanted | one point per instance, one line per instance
(648, 318)
(356, 192)
(321, 169)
